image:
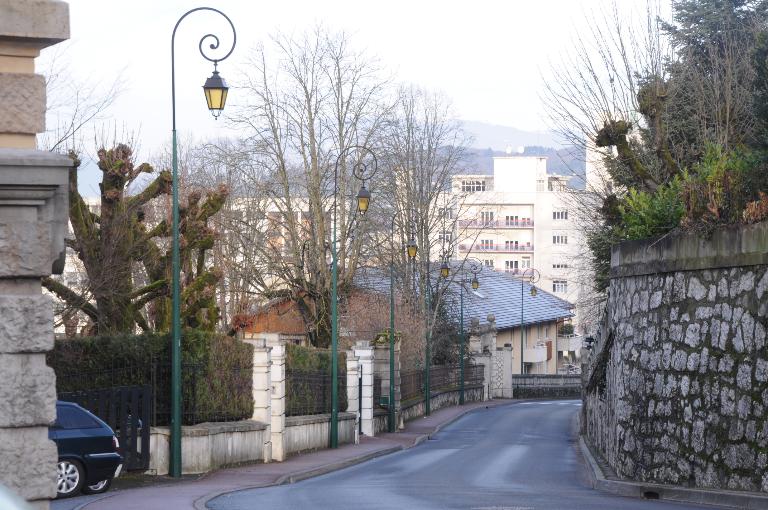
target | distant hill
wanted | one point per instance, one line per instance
(496, 137)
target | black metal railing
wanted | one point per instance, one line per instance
(411, 384)
(308, 392)
(208, 394)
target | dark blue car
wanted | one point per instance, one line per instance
(89, 453)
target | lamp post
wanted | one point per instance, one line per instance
(532, 275)
(215, 89)
(411, 249)
(362, 172)
(475, 267)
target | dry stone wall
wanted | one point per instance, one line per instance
(677, 384)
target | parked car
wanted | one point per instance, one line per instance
(89, 452)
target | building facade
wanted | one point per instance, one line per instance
(518, 218)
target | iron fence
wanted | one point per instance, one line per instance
(411, 384)
(309, 392)
(208, 395)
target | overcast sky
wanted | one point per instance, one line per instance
(487, 56)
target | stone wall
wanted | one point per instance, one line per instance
(304, 433)
(677, 383)
(442, 399)
(546, 386)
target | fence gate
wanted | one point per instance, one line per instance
(127, 409)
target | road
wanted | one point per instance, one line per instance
(516, 457)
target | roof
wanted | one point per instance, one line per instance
(499, 294)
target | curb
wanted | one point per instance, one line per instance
(722, 498)
(202, 502)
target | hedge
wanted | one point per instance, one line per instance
(308, 381)
(217, 372)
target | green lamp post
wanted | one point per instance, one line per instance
(532, 275)
(215, 89)
(475, 267)
(362, 172)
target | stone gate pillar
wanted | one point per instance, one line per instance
(33, 224)
(364, 353)
(278, 396)
(353, 396)
(262, 389)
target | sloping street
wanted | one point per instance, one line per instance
(512, 457)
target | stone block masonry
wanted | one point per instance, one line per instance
(33, 223)
(677, 384)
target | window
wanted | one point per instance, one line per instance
(446, 212)
(511, 245)
(486, 244)
(540, 185)
(556, 185)
(511, 265)
(445, 236)
(488, 263)
(512, 221)
(559, 239)
(68, 417)
(559, 215)
(486, 217)
(472, 186)
(525, 263)
(559, 286)
(560, 265)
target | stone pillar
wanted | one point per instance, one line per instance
(262, 389)
(277, 376)
(364, 353)
(485, 360)
(381, 370)
(506, 354)
(33, 223)
(353, 397)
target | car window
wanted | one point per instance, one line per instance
(68, 417)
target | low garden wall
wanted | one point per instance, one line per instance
(440, 399)
(313, 432)
(546, 386)
(208, 446)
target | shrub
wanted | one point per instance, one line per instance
(216, 371)
(565, 329)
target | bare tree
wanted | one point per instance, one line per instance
(305, 105)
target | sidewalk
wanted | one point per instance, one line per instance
(196, 493)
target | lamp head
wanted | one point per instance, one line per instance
(363, 199)
(412, 248)
(215, 89)
(445, 269)
(534, 291)
(475, 283)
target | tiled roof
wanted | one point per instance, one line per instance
(499, 294)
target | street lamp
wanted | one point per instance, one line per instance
(215, 89)
(475, 267)
(532, 275)
(362, 172)
(411, 250)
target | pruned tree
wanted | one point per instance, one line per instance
(127, 259)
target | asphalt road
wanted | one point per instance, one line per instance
(516, 457)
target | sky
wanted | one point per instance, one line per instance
(490, 58)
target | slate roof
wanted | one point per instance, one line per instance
(499, 294)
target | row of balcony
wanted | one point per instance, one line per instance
(497, 248)
(496, 224)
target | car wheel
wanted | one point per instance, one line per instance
(70, 478)
(98, 488)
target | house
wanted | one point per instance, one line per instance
(509, 298)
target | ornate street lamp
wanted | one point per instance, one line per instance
(362, 172)
(474, 267)
(445, 269)
(532, 275)
(215, 89)
(411, 250)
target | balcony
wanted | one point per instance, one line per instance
(478, 248)
(536, 354)
(569, 342)
(479, 224)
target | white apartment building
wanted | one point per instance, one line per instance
(517, 218)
